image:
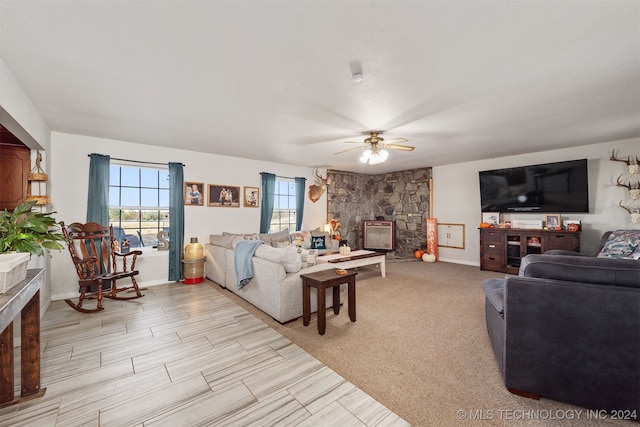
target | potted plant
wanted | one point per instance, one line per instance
(23, 232)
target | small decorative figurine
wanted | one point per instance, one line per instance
(163, 243)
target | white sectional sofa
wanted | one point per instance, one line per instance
(276, 286)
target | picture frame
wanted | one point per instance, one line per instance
(193, 193)
(251, 197)
(224, 196)
(492, 218)
(553, 222)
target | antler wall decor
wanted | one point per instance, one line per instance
(316, 191)
(634, 213)
(633, 187)
(634, 168)
(634, 191)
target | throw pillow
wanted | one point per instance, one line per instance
(306, 240)
(297, 238)
(308, 257)
(318, 242)
(622, 244)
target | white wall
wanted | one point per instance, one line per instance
(457, 194)
(70, 170)
(18, 115)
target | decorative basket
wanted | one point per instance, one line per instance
(13, 269)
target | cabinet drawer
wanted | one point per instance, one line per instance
(494, 249)
(491, 236)
(492, 263)
(564, 241)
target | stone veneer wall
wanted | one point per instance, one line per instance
(399, 196)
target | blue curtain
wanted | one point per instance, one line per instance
(268, 184)
(176, 220)
(98, 194)
(300, 184)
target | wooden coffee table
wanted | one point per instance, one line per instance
(321, 280)
(355, 259)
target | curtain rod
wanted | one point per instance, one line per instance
(137, 161)
(285, 177)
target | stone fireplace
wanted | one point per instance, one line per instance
(401, 196)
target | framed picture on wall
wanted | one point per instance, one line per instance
(193, 193)
(251, 197)
(224, 196)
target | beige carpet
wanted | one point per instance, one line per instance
(420, 347)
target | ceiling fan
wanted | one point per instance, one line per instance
(376, 147)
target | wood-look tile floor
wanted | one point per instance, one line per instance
(183, 355)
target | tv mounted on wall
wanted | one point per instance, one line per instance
(561, 187)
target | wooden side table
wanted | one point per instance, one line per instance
(23, 298)
(321, 280)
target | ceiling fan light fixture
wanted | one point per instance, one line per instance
(374, 157)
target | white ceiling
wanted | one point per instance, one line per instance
(271, 80)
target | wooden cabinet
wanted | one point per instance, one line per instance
(15, 165)
(502, 249)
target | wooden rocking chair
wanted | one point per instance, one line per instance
(99, 264)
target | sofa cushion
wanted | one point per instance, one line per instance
(599, 271)
(308, 257)
(278, 237)
(287, 256)
(622, 244)
(247, 236)
(224, 241)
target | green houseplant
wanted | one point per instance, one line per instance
(24, 232)
(27, 230)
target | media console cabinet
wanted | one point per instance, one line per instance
(501, 249)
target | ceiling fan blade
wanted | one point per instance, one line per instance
(351, 149)
(394, 140)
(399, 147)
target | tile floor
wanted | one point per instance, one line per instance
(183, 355)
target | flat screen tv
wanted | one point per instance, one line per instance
(561, 187)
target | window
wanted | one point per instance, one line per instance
(138, 204)
(284, 206)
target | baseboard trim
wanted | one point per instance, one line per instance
(147, 284)
(457, 261)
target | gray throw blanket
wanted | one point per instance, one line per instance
(242, 259)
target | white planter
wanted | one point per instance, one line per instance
(13, 269)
